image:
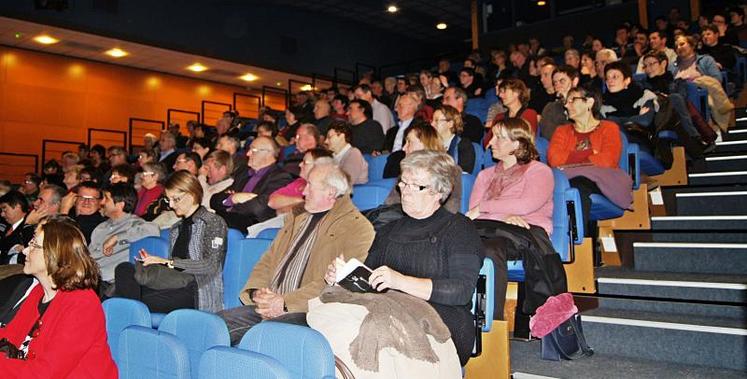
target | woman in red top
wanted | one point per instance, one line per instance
(514, 95)
(586, 142)
(59, 330)
(151, 190)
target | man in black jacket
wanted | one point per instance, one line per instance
(14, 208)
(245, 202)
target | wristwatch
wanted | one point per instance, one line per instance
(170, 263)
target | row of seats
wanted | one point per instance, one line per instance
(195, 344)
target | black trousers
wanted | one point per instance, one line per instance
(240, 319)
(158, 301)
(544, 274)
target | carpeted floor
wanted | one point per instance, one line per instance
(525, 358)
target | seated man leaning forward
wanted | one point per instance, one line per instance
(110, 241)
(292, 271)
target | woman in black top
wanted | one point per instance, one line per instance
(430, 253)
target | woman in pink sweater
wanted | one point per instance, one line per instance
(512, 205)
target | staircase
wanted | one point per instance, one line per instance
(678, 305)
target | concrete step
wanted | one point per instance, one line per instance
(700, 223)
(688, 257)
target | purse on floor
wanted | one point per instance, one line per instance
(566, 341)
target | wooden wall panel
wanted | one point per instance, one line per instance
(44, 96)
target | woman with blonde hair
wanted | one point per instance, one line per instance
(197, 248)
(59, 330)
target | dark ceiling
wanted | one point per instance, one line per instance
(415, 18)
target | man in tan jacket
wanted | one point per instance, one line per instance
(292, 271)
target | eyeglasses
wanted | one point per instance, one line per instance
(89, 199)
(256, 150)
(437, 120)
(572, 99)
(148, 173)
(412, 186)
(174, 200)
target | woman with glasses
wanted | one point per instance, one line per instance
(59, 329)
(197, 248)
(449, 125)
(150, 191)
(429, 254)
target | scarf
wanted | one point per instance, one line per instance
(504, 178)
(290, 271)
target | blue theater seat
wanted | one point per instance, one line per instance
(567, 224)
(483, 303)
(542, 145)
(477, 107)
(369, 196)
(148, 353)
(479, 158)
(268, 233)
(228, 362)
(153, 245)
(198, 331)
(601, 207)
(240, 261)
(376, 166)
(309, 356)
(165, 233)
(121, 313)
(468, 181)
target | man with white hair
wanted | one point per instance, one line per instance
(292, 271)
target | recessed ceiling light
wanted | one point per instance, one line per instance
(392, 9)
(116, 53)
(45, 39)
(248, 77)
(307, 87)
(441, 26)
(279, 84)
(196, 67)
(541, 3)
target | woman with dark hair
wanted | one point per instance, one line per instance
(194, 269)
(589, 150)
(59, 330)
(514, 95)
(512, 205)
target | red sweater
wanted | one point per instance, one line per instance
(605, 139)
(71, 342)
(145, 197)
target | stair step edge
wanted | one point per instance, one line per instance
(664, 325)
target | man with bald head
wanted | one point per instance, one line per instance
(245, 202)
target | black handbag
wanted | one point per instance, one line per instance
(160, 277)
(566, 341)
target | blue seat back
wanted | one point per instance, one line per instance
(488, 158)
(542, 145)
(488, 270)
(376, 167)
(387, 183)
(268, 233)
(288, 150)
(153, 245)
(369, 196)
(468, 181)
(240, 260)
(119, 314)
(479, 157)
(309, 356)
(165, 233)
(199, 331)
(148, 353)
(699, 97)
(477, 107)
(228, 362)
(564, 216)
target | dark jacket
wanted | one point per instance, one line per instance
(256, 210)
(20, 236)
(368, 136)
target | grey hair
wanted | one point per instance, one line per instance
(440, 166)
(334, 177)
(157, 169)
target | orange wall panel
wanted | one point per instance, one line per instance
(44, 96)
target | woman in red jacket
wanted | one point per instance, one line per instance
(59, 330)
